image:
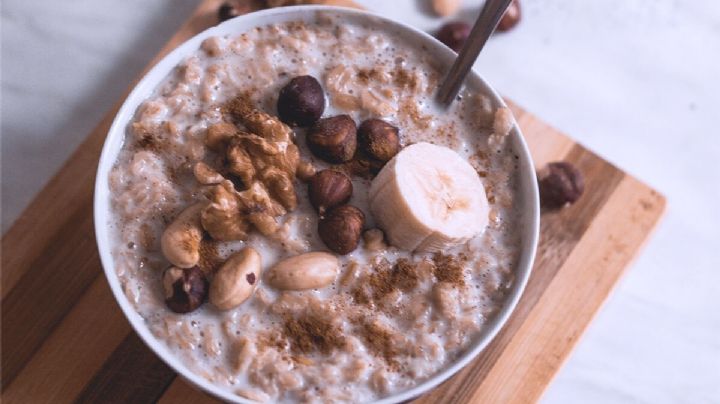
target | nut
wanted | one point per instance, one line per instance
(560, 183)
(378, 139)
(511, 17)
(445, 8)
(305, 171)
(374, 240)
(185, 289)
(333, 139)
(232, 9)
(222, 217)
(236, 279)
(328, 189)
(281, 188)
(340, 229)
(219, 135)
(453, 34)
(268, 127)
(206, 175)
(301, 102)
(180, 242)
(239, 162)
(264, 223)
(305, 271)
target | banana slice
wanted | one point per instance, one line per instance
(428, 198)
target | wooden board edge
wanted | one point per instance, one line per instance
(659, 215)
(69, 162)
(529, 364)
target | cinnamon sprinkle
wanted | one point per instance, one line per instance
(448, 269)
(386, 279)
(380, 342)
(366, 75)
(404, 79)
(210, 260)
(309, 333)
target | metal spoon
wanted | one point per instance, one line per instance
(489, 16)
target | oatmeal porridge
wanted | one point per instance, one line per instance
(296, 222)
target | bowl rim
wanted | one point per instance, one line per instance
(527, 188)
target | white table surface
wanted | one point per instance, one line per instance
(638, 81)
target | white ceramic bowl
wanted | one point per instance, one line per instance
(528, 193)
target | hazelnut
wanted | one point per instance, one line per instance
(333, 139)
(378, 139)
(511, 17)
(328, 189)
(560, 183)
(340, 229)
(301, 101)
(231, 9)
(185, 288)
(453, 34)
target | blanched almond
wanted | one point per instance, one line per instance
(305, 271)
(236, 279)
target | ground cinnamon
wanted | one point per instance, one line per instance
(385, 279)
(310, 333)
(380, 342)
(210, 260)
(448, 269)
(404, 79)
(404, 275)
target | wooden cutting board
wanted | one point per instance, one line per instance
(65, 339)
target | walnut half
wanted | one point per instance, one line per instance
(222, 218)
(264, 159)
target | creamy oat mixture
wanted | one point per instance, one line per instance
(391, 319)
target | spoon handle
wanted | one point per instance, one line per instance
(489, 16)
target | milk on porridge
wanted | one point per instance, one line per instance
(208, 144)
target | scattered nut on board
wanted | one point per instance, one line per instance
(511, 18)
(446, 8)
(561, 184)
(454, 34)
(232, 9)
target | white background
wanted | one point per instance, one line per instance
(638, 81)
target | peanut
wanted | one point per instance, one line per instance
(305, 271)
(180, 242)
(236, 279)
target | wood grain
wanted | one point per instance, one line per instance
(61, 368)
(49, 254)
(65, 339)
(180, 391)
(132, 374)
